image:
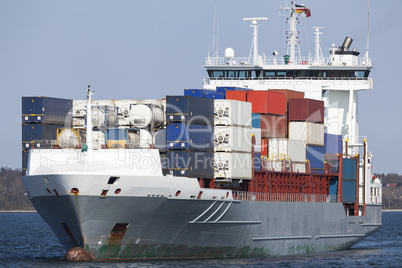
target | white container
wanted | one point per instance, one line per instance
(275, 165)
(296, 151)
(232, 113)
(292, 150)
(309, 133)
(299, 167)
(160, 140)
(277, 149)
(141, 115)
(257, 137)
(146, 140)
(233, 165)
(232, 139)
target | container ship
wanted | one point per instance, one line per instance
(265, 159)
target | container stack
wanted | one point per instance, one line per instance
(232, 139)
(204, 93)
(349, 174)
(189, 136)
(41, 118)
(306, 124)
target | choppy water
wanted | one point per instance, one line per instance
(27, 241)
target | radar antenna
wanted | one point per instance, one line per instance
(254, 24)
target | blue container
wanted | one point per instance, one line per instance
(332, 144)
(39, 135)
(256, 120)
(214, 95)
(191, 163)
(194, 92)
(190, 137)
(191, 109)
(47, 110)
(24, 162)
(333, 187)
(257, 162)
(224, 89)
(348, 191)
(349, 169)
(315, 154)
(116, 134)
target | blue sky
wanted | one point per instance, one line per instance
(149, 49)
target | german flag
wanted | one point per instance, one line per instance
(301, 9)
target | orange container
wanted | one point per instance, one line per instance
(240, 95)
(267, 102)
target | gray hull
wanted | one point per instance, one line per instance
(159, 227)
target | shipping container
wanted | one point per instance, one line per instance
(24, 164)
(276, 165)
(255, 120)
(277, 149)
(299, 167)
(349, 168)
(240, 95)
(116, 138)
(267, 102)
(257, 161)
(47, 110)
(232, 113)
(315, 155)
(264, 147)
(39, 135)
(232, 139)
(191, 109)
(256, 132)
(293, 150)
(289, 94)
(194, 92)
(333, 186)
(233, 165)
(306, 110)
(273, 126)
(224, 90)
(332, 144)
(194, 164)
(215, 96)
(309, 133)
(190, 137)
(348, 191)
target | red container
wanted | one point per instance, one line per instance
(306, 110)
(240, 95)
(289, 94)
(264, 147)
(267, 102)
(273, 126)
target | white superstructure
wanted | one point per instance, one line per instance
(336, 80)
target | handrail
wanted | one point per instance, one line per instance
(284, 197)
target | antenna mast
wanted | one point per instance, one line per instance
(318, 52)
(254, 24)
(368, 31)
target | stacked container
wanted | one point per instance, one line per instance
(189, 136)
(306, 124)
(232, 139)
(204, 93)
(41, 117)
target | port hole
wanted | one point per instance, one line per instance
(118, 190)
(112, 180)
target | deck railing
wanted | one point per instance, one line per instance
(277, 197)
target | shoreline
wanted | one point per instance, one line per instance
(392, 210)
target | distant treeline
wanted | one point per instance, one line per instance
(391, 190)
(14, 197)
(12, 191)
